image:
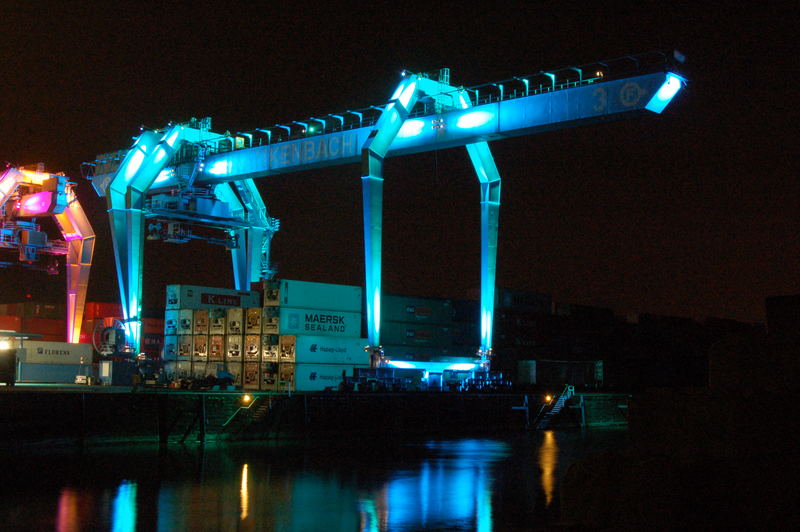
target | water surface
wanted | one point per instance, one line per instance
(483, 484)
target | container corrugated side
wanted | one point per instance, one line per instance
(38, 352)
(416, 309)
(330, 350)
(318, 377)
(311, 295)
(420, 334)
(206, 297)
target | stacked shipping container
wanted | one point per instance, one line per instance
(318, 327)
(303, 336)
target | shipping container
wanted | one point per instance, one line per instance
(253, 321)
(320, 322)
(186, 318)
(233, 347)
(416, 309)
(319, 377)
(319, 296)
(152, 344)
(152, 326)
(216, 320)
(270, 320)
(286, 376)
(200, 369)
(10, 323)
(206, 297)
(236, 369)
(45, 352)
(330, 350)
(51, 373)
(250, 376)
(216, 347)
(183, 369)
(419, 334)
(99, 310)
(269, 376)
(287, 347)
(200, 321)
(234, 321)
(466, 310)
(188, 346)
(252, 347)
(524, 301)
(200, 347)
(171, 323)
(170, 349)
(169, 368)
(45, 326)
(270, 348)
(421, 353)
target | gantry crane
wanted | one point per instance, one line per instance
(424, 113)
(27, 195)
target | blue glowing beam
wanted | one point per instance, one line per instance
(665, 93)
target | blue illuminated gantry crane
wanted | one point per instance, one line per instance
(424, 113)
(25, 196)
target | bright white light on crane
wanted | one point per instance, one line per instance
(461, 367)
(411, 128)
(5, 344)
(474, 119)
(408, 92)
(665, 93)
(401, 364)
(164, 175)
(135, 162)
(219, 168)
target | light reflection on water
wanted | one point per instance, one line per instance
(466, 484)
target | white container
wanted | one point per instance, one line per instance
(216, 347)
(330, 350)
(320, 322)
(252, 321)
(250, 376)
(189, 347)
(233, 348)
(235, 369)
(317, 377)
(320, 296)
(185, 321)
(270, 319)
(252, 347)
(234, 323)
(170, 349)
(195, 297)
(183, 369)
(216, 320)
(37, 352)
(171, 322)
(200, 321)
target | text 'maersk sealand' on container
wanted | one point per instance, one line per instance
(303, 321)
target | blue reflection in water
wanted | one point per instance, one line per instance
(452, 488)
(123, 517)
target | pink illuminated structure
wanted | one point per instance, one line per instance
(26, 195)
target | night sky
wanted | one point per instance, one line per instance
(690, 213)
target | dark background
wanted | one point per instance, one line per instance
(690, 213)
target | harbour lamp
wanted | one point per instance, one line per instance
(548, 398)
(246, 398)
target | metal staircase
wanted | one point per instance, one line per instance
(552, 409)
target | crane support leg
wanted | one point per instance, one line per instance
(372, 155)
(77, 231)
(489, 178)
(125, 199)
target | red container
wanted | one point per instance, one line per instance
(152, 326)
(95, 309)
(46, 326)
(10, 323)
